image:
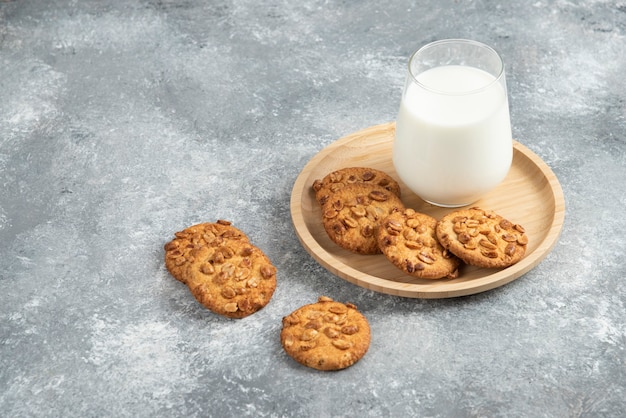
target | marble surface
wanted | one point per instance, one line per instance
(122, 122)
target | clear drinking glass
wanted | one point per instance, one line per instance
(453, 132)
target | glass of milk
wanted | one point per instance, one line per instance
(453, 132)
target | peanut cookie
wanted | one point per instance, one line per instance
(336, 180)
(326, 335)
(482, 238)
(352, 216)
(178, 252)
(234, 279)
(408, 240)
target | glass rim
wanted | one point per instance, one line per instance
(457, 41)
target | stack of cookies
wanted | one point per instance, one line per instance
(363, 213)
(225, 272)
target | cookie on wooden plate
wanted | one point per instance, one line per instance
(179, 251)
(324, 188)
(352, 215)
(326, 335)
(482, 238)
(407, 238)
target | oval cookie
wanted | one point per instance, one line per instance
(482, 238)
(179, 251)
(326, 335)
(408, 240)
(352, 216)
(234, 279)
(338, 179)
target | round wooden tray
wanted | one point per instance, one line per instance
(530, 195)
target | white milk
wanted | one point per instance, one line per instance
(451, 148)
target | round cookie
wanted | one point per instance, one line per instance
(326, 335)
(338, 179)
(352, 216)
(408, 240)
(179, 251)
(233, 278)
(482, 238)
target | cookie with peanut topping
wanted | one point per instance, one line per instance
(221, 267)
(482, 238)
(326, 335)
(408, 240)
(352, 215)
(235, 279)
(179, 252)
(324, 188)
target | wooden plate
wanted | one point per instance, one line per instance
(530, 195)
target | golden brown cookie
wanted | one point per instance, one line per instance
(352, 216)
(408, 240)
(234, 278)
(178, 252)
(482, 238)
(336, 180)
(326, 335)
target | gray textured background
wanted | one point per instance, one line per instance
(124, 121)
